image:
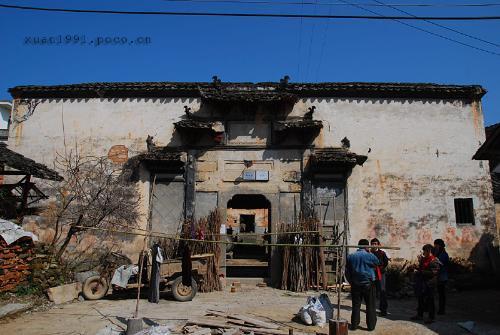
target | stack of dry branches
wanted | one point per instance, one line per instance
(206, 228)
(301, 266)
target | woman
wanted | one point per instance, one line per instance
(426, 275)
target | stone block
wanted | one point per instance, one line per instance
(206, 166)
(293, 176)
(202, 176)
(64, 293)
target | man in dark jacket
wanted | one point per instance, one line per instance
(380, 274)
(360, 272)
(442, 255)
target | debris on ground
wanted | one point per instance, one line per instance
(222, 323)
(155, 330)
(109, 330)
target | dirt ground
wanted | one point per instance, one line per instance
(88, 317)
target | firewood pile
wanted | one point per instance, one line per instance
(302, 266)
(15, 263)
(206, 228)
(223, 323)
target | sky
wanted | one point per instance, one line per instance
(176, 48)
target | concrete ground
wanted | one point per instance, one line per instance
(88, 317)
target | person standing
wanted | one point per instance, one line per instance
(154, 283)
(380, 276)
(426, 275)
(442, 255)
(360, 272)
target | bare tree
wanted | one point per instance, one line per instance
(94, 194)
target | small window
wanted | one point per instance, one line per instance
(464, 211)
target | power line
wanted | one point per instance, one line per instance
(442, 26)
(284, 16)
(425, 30)
(299, 48)
(310, 47)
(338, 4)
(323, 44)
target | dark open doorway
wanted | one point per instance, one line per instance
(248, 219)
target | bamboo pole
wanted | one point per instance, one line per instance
(141, 267)
(235, 243)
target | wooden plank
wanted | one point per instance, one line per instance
(253, 321)
(209, 323)
(202, 331)
(247, 319)
(237, 322)
(217, 324)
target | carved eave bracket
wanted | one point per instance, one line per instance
(305, 130)
(334, 159)
(192, 131)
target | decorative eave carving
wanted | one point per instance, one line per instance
(329, 158)
(306, 130)
(192, 131)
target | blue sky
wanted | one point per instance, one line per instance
(247, 49)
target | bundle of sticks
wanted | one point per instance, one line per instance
(302, 267)
(206, 228)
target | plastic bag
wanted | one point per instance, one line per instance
(305, 316)
(327, 305)
(317, 311)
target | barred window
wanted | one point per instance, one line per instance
(464, 211)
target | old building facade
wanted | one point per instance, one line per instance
(393, 160)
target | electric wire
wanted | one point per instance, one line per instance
(425, 30)
(263, 15)
(323, 44)
(281, 3)
(442, 26)
(299, 47)
(308, 61)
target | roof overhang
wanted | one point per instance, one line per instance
(490, 149)
(248, 92)
(24, 165)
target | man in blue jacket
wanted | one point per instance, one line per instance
(360, 272)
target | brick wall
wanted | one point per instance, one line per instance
(14, 263)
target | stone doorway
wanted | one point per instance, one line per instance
(248, 219)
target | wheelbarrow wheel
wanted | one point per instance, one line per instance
(182, 292)
(95, 287)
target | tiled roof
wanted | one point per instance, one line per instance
(491, 129)
(268, 91)
(490, 149)
(28, 166)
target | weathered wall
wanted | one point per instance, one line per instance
(497, 210)
(419, 159)
(95, 126)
